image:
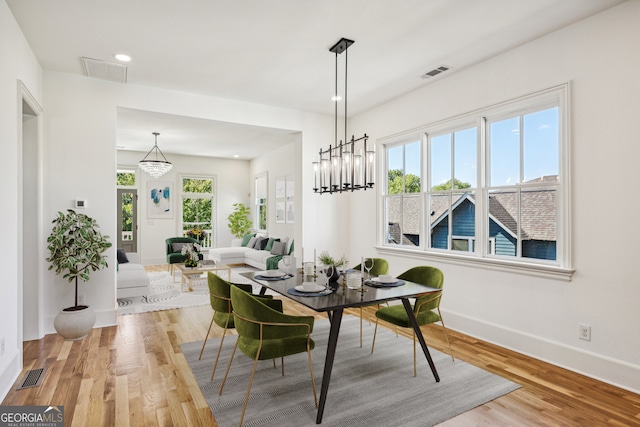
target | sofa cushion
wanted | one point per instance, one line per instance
(270, 243)
(122, 256)
(278, 248)
(132, 279)
(177, 247)
(251, 243)
(258, 256)
(261, 243)
(247, 238)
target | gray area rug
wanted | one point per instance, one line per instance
(165, 292)
(365, 390)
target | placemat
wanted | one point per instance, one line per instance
(383, 285)
(294, 291)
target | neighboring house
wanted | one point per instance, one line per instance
(538, 228)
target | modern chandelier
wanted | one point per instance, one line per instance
(346, 165)
(155, 167)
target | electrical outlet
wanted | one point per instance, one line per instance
(584, 332)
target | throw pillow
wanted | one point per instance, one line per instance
(261, 243)
(122, 256)
(177, 247)
(247, 238)
(252, 242)
(270, 243)
(278, 248)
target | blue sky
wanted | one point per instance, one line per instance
(540, 147)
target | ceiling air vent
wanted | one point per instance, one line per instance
(105, 70)
(435, 72)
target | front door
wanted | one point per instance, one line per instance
(127, 220)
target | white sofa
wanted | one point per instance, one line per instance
(132, 278)
(238, 254)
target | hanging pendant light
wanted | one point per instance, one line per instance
(155, 167)
(346, 165)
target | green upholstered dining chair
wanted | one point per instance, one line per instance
(173, 248)
(380, 266)
(264, 333)
(426, 307)
(220, 298)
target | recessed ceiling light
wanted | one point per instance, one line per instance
(236, 155)
(336, 98)
(122, 57)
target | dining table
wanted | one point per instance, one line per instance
(334, 301)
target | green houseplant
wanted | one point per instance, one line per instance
(76, 248)
(239, 222)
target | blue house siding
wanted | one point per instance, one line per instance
(539, 249)
(505, 243)
(463, 225)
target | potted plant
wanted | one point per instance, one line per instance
(332, 263)
(239, 222)
(76, 249)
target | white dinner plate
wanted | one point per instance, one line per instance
(272, 273)
(314, 288)
(391, 280)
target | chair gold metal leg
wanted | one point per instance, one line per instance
(414, 354)
(360, 327)
(446, 336)
(246, 398)
(373, 343)
(228, 368)
(215, 364)
(274, 363)
(313, 380)
(282, 363)
(206, 338)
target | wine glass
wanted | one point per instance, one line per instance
(286, 261)
(368, 265)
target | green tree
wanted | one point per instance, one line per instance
(457, 185)
(400, 183)
(126, 178)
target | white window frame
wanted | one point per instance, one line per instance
(184, 195)
(483, 256)
(257, 204)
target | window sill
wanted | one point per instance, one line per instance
(537, 270)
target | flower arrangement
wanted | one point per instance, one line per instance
(327, 259)
(192, 253)
(197, 233)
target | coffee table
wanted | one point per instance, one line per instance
(192, 273)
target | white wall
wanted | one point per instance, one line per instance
(540, 317)
(81, 160)
(18, 64)
(231, 186)
(277, 164)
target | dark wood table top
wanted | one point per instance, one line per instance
(343, 297)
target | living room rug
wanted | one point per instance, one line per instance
(165, 293)
(365, 390)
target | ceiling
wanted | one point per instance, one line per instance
(276, 52)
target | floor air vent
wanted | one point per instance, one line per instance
(33, 378)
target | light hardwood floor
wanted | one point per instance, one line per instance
(134, 374)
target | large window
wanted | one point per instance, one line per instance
(261, 202)
(491, 184)
(197, 209)
(403, 193)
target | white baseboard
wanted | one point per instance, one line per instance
(104, 318)
(9, 375)
(602, 368)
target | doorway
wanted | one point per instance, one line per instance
(127, 220)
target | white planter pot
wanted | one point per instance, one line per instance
(75, 324)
